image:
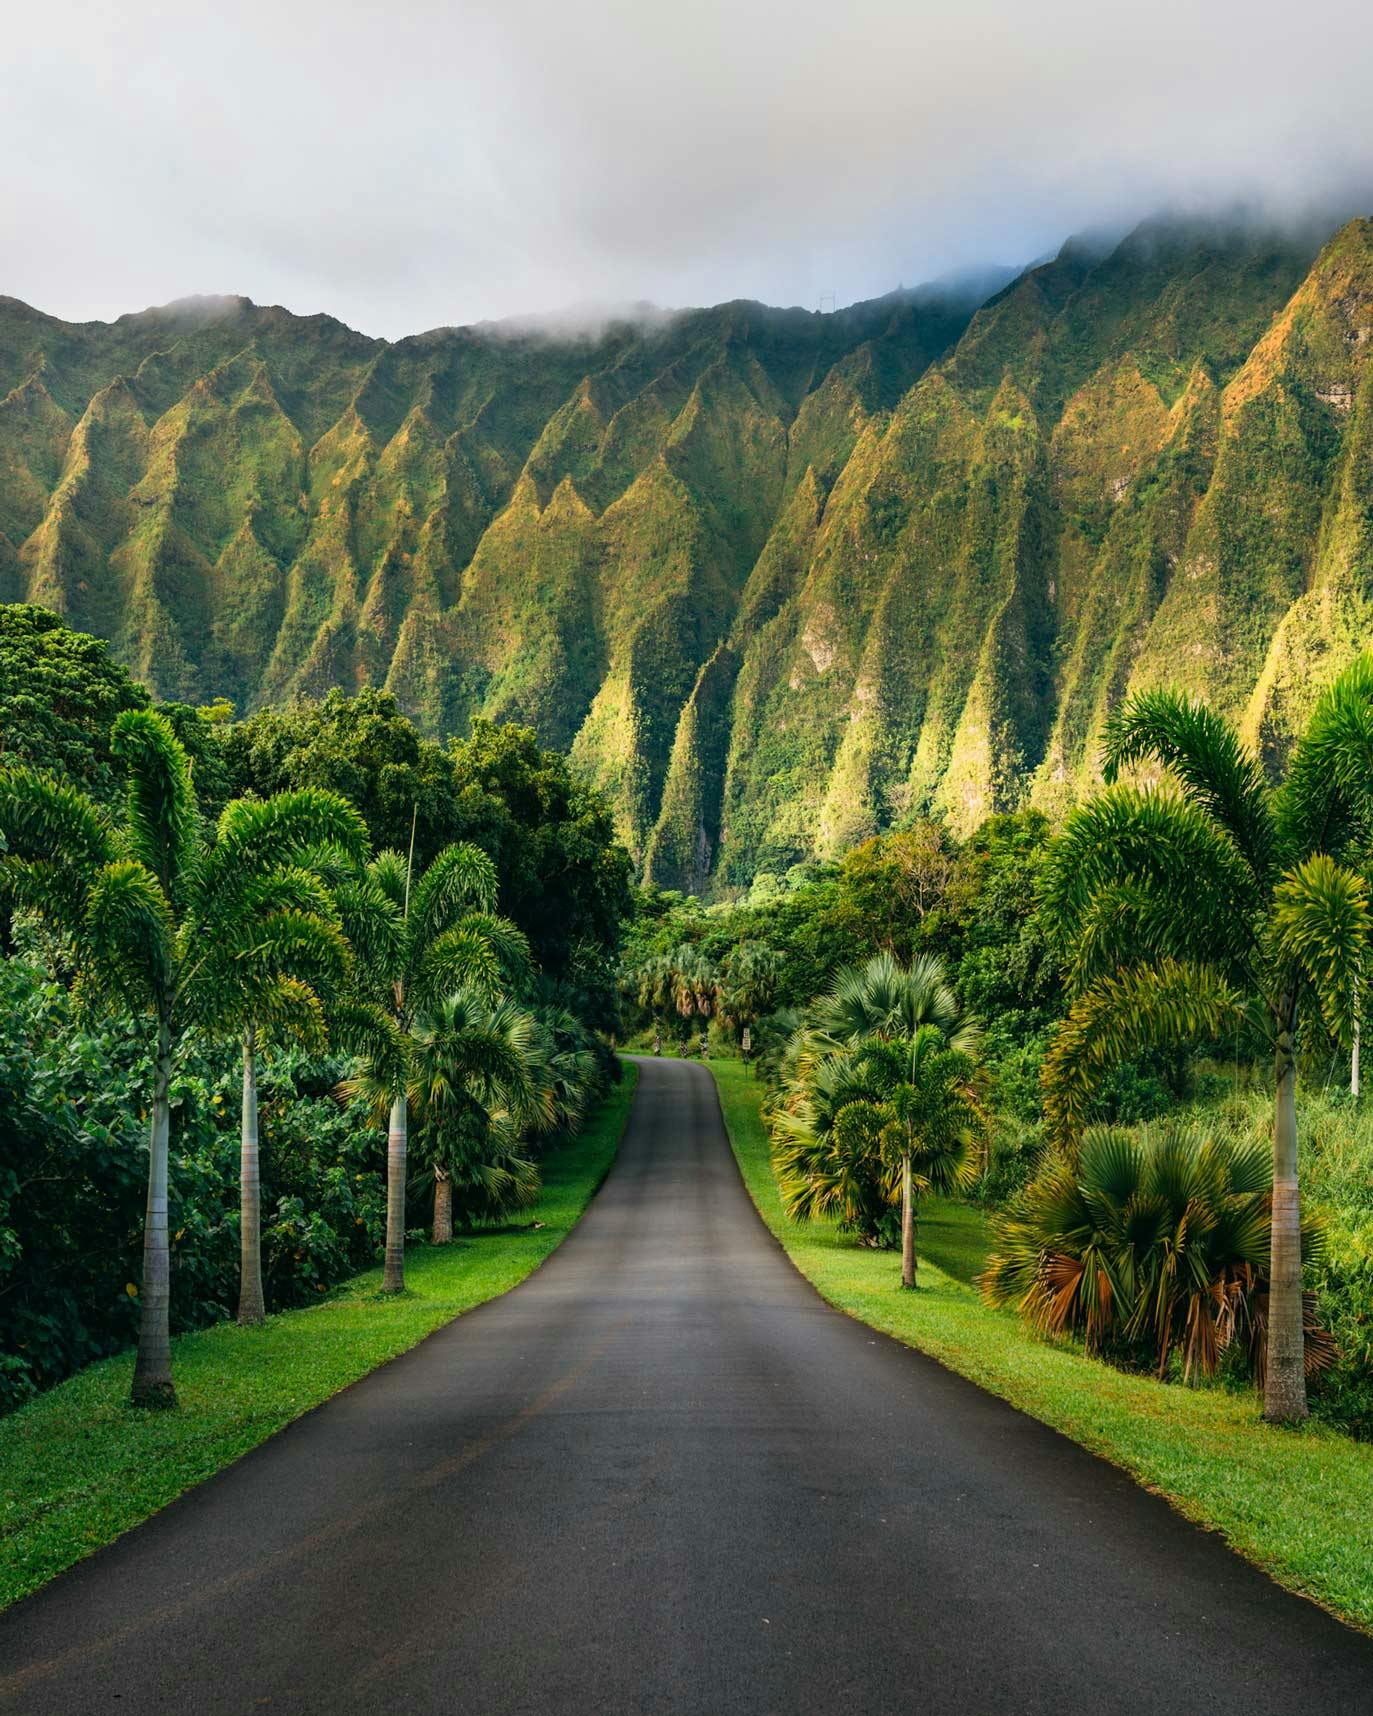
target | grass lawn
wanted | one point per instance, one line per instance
(1298, 1502)
(78, 1466)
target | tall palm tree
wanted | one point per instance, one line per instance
(277, 854)
(162, 919)
(887, 1002)
(439, 934)
(1218, 906)
(694, 986)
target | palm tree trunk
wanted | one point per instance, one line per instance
(251, 1306)
(1284, 1395)
(443, 1206)
(1354, 1049)
(907, 1224)
(393, 1275)
(152, 1376)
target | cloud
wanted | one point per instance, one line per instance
(419, 164)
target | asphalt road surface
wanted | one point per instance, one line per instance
(663, 1476)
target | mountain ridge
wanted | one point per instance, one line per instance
(774, 579)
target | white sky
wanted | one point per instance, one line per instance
(413, 164)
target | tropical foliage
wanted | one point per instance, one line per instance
(162, 939)
(1219, 907)
(881, 1100)
(1153, 1241)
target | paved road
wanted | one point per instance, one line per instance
(662, 1476)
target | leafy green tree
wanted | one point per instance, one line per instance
(59, 693)
(563, 875)
(160, 919)
(442, 936)
(362, 747)
(1157, 1238)
(1218, 907)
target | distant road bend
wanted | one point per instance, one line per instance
(663, 1476)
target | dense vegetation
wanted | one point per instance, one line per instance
(945, 1015)
(211, 985)
(777, 581)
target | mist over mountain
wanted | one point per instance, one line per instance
(776, 579)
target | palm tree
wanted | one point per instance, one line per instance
(474, 1061)
(1217, 906)
(274, 854)
(693, 985)
(162, 921)
(825, 1169)
(432, 935)
(923, 1118)
(885, 1001)
(1153, 1236)
(749, 975)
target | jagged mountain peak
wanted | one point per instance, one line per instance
(942, 531)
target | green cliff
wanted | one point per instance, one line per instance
(773, 579)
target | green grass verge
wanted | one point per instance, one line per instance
(1298, 1502)
(78, 1466)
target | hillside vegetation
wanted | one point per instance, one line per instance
(777, 580)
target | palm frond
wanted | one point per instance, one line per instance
(1327, 795)
(1144, 1006)
(1321, 922)
(129, 937)
(460, 880)
(1150, 870)
(1214, 769)
(162, 819)
(55, 840)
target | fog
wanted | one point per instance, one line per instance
(421, 164)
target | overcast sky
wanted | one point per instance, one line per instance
(413, 164)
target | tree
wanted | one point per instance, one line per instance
(364, 748)
(563, 875)
(1154, 1239)
(473, 1080)
(749, 977)
(922, 1117)
(694, 987)
(59, 693)
(443, 936)
(897, 881)
(1217, 907)
(269, 853)
(160, 920)
(886, 1003)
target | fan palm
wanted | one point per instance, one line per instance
(1160, 1237)
(432, 935)
(749, 977)
(1218, 906)
(172, 925)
